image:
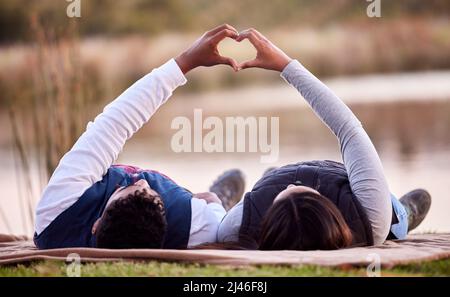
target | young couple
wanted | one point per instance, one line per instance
(89, 202)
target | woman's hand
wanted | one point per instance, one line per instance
(268, 55)
(209, 197)
(204, 51)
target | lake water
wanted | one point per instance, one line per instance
(411, 135)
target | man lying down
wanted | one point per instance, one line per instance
(89, 202)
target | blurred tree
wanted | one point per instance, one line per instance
(157, 16)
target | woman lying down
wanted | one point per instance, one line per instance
(89, 202)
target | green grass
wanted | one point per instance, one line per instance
(56, 268)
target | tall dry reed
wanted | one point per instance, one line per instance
(48, 126)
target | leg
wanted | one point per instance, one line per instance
(399, 230)
(417, 204)
(410, 210)
(229, 187)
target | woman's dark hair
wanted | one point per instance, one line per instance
(134, 221)
(301, 221)
(304, 221)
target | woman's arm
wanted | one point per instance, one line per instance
(360, 158)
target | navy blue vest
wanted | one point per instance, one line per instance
(72, 228)
(329, 178)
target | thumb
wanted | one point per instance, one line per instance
(228, 61)
(249, 64)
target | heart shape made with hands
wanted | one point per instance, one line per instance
(239, 51)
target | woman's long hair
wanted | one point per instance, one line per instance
(304, 221)
(301, 221)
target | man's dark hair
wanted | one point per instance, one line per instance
(135, 221)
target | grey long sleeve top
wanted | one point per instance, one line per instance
(360, 158)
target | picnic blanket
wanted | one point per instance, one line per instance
(416, 248)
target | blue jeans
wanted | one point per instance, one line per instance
(401, 228)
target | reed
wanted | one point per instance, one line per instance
(47, 127)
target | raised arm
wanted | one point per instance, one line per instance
(360, 158)
(99, 146)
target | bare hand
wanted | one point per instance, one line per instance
(209, 197)
(268, 55)
(204, 51)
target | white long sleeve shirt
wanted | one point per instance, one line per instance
(99, 146)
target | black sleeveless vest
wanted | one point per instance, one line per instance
(329, 178)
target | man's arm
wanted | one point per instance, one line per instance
(99, 146)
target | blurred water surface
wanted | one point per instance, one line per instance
(411, 134)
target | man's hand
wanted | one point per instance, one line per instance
(268, 55)
(204, 51)
(209, 197)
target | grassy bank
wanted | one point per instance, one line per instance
(55, 268)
